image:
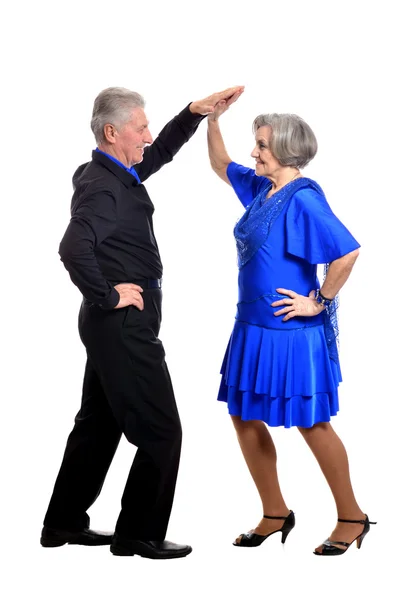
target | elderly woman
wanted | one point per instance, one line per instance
(281, 365)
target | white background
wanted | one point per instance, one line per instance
(332, 63)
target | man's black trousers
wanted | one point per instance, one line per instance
(126, 389)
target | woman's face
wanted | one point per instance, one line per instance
(266, 163)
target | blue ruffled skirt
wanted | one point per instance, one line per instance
(282, 376)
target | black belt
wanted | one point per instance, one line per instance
(148, 283)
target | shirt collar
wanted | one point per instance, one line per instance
(130, 170)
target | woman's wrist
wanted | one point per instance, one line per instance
(321, 299)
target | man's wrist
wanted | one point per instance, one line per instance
(189, 118)
(112, 301)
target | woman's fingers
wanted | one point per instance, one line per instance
(285, 292)
(283, 311)
(282, 302)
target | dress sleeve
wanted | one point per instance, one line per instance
(313, 232)
(245, 182)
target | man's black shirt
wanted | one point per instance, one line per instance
(110, 238)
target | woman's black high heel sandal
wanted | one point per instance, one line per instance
(249, 540)
(330, 548)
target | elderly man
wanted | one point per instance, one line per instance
(111, 254)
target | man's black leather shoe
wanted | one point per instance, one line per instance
(51, 538)
(148, 549)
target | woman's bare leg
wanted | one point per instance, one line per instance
(331, 455)
(260, 455)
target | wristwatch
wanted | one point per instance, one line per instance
(322, 299)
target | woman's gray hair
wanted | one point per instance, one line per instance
(113, 105)
(292, 142)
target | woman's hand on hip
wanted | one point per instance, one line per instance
(296, 305)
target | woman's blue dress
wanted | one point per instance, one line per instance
(274, 371)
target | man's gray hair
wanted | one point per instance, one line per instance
(292, 142)
(113, 105)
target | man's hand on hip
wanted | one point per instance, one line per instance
(130, 294)
(207, 105)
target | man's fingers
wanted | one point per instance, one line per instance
(232, 90)
(130, 295)
(227, 93)
(235, 96)
(137, 304)
(128, 286)
(137, 299)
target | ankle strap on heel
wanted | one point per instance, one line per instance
(361, 521)
(279, 518)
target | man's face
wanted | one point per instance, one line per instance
(132, 138)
